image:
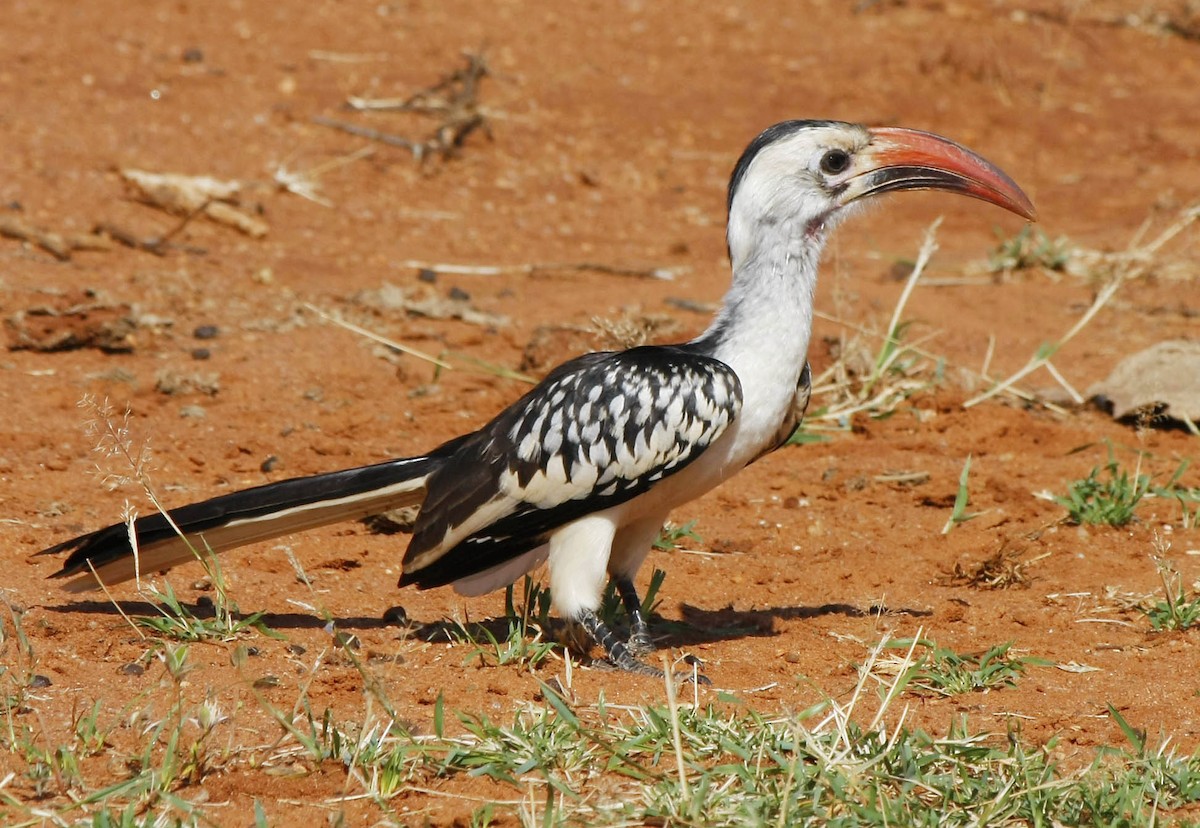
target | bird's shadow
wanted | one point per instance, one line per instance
(695, 626)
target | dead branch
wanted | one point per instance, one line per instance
(56, 244)
(453, 100)
(191, 195)
(158, 245)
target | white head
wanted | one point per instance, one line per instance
(801, 176)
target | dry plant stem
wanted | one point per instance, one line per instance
(417, 148)
(304, 183)
(426, 101)
(155, 244)
(676, 737)
(1061, 380)
(928, 248)
(1038, 360)
(113, 601)
(453, 100)
(374, 337)
(665, 274)
(56, 244)
(820, 388)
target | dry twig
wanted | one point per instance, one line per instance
(453, 101)
(665, 274)
(56, 244)
(191, 195)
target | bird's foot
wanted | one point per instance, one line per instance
(621, 656)
(641, 668)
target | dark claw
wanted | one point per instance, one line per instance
(639, 642)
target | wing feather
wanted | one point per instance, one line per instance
(596, 432)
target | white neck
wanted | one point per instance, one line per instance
(766, 316)
(763, 328)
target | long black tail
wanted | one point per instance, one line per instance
(239, 518)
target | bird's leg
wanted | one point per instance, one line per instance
(639, 643)
(619, 653)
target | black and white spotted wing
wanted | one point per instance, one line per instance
(598, 431)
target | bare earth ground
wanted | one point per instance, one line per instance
(611, 132)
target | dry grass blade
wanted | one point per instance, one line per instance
(861, 381)
(374, 337)
(1116, 268)
(665, 274)
(1042, 357)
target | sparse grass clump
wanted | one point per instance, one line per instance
(1110, 494)
(1107, 496)
(672, 534)
(178, 622)
(1030, 247)
(521, 637)
(930, 668)
(1178, 609)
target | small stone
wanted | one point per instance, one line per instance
(297, 649)
(193, 55)
(270, 464)
(132, 669)
(396, 616)
(206, 332)
(426, 275)
(39, 681)
(380, 657)
(201, 354)
(193, 412)
(459, 295)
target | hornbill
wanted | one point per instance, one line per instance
(584, 469)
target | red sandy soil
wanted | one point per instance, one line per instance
(611, 132)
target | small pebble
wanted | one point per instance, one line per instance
(380, 657)
(193, 412)
(396, 616)
(296, 649)
(133, 669)
(266, 681)
(270, 464)
(459, 295)
(201, 354)
(39, 681)
(193, 55)
(206, 332)
(427, 275)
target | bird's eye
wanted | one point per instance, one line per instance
(835, 162)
